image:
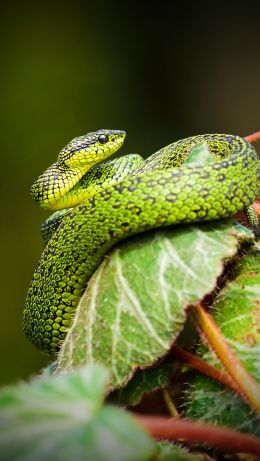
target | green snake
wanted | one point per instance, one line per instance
(107, 201)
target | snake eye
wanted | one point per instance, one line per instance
(102, 138)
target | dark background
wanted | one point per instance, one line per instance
(160, 72)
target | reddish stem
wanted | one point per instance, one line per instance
(256, 206)
(253, 137)
(180, 429)
(205, 368)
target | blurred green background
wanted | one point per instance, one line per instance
(160, 72)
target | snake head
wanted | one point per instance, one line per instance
(74, 160)
(90, 149)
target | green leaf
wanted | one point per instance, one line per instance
(145, 381)
(236, 311)
(62, 419)
(199, 155)
(135, 304)
(169, 452)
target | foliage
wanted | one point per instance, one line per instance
(237, 311)
(133, 310)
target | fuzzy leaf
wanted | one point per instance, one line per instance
(62, 419)
(169, 452)
(135, 304)
(145, 381)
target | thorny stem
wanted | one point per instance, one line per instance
(205, 368)
(180, 429)
(243, 379)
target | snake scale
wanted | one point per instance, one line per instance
(114, 200)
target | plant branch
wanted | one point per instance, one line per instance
(169, 403)
(204, 368)
(253, 137)
(190, 431)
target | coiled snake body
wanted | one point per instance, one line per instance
(120, 198)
